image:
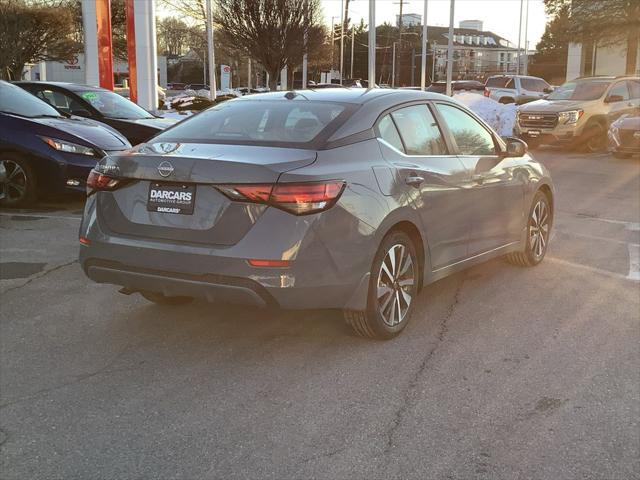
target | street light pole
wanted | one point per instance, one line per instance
(305, 58)
(450, 48)
(423, 78)
(341, 39)
(210, 48)
(526, 41)
(372, 44)
(353, 39)
(519, 37)
(393, 66)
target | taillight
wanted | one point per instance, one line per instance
(296, 198)
(97, 181)
(486, 92)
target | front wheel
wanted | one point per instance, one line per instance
(538, 232)
(393, 287)
(595, 139)
(19, 182)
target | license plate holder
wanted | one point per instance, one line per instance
(176, 198)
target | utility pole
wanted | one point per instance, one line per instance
(401, 2)
(519, 37)
(450, 48)
(372, 44)
(210, 48)
(423, 78)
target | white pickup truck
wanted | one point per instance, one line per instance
(516, 88)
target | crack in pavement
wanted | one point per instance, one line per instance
(407, 398)
(105, 369)
(44, 273)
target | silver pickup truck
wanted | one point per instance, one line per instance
(517, 89)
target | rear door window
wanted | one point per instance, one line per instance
(389, 133)
(534, 84)
(634, 88)
(419, 131)
(471, 137)
(497, 82)
(620, 90)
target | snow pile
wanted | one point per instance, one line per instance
(501, 117)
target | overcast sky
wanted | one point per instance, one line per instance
(499, 16)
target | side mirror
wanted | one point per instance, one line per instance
(548, 90)
(81, 112)
(515, 147)
(613, 99)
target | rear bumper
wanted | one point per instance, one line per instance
(319, 276)
(214, 288)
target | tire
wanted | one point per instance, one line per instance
(621, 155)
(594, 139)
(393, 287)
(160, 299)
(540, 216)
(19, 187)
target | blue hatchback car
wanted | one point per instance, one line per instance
(44, 151)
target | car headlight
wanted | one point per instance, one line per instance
(572, 116)
(64, 146)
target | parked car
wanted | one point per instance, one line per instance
(102, 105)
(176, 86)
(42, 150)
(457, 86)
(125, 92)
(624, 136)
(336, 198)
(579, 112)
(196, 103)
(320, 86)
(196, 86)
(518, 89)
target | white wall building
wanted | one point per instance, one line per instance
(409, 20)
(584, 59)
(73, 70)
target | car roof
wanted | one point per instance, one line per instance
(358, 96)
(66, 85)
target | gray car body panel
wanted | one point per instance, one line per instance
(331, 252)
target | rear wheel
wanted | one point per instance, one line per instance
(538, 231)
(19, 184)
(393, 287)
(161, 299)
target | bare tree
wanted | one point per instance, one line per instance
(269, 31)
(32, 32)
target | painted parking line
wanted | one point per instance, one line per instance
(634, 262)
(599, 271)
(40, 216)
(631, 226)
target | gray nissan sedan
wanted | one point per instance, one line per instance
(339, 198)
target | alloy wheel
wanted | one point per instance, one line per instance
(395, 286)
(539, 229)
(15, 184)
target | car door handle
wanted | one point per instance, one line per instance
(414, 181)
(479, 179)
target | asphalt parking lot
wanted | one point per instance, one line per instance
(504, 372)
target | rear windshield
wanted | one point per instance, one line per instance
(498, 82)
(17, 101)
(534, 84)
(589, 90)
(257, 122)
